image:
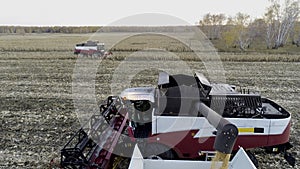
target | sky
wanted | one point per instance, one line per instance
(102, 13)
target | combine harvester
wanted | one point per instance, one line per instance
(91, 48)
(186, 120)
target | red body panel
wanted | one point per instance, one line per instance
(186, 146)
(86, 52)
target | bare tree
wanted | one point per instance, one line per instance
(280, 21)
(258, 28)
(271, 18)
(244, 36)
(212, 23)
(295, 34)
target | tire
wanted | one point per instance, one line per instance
(158, 151)
(142, 105)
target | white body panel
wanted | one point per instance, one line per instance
(86, 47)
(166, 124)
(139, 93)
(278, 125)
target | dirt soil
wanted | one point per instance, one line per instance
(38, 115)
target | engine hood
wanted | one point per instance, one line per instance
(139, 93)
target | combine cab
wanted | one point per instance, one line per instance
(182, 118)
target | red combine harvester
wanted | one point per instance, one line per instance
(91, 48)
(179, 119)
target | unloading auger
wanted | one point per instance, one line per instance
(226, 134)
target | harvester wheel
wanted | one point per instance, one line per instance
(158, 151)
(142, 105)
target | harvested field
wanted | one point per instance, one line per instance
(36, 101)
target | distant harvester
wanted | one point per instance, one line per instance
(91, 48)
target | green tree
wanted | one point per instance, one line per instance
(239, 33)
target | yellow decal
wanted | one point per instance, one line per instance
(246, 130)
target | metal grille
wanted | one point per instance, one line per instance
(239, 105)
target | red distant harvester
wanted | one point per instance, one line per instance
(91, 48)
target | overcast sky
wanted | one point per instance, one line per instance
(101, 13)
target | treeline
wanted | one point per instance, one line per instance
(279, 25)
(91, 29)
(47, 29)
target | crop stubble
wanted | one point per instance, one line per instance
(37, 110)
